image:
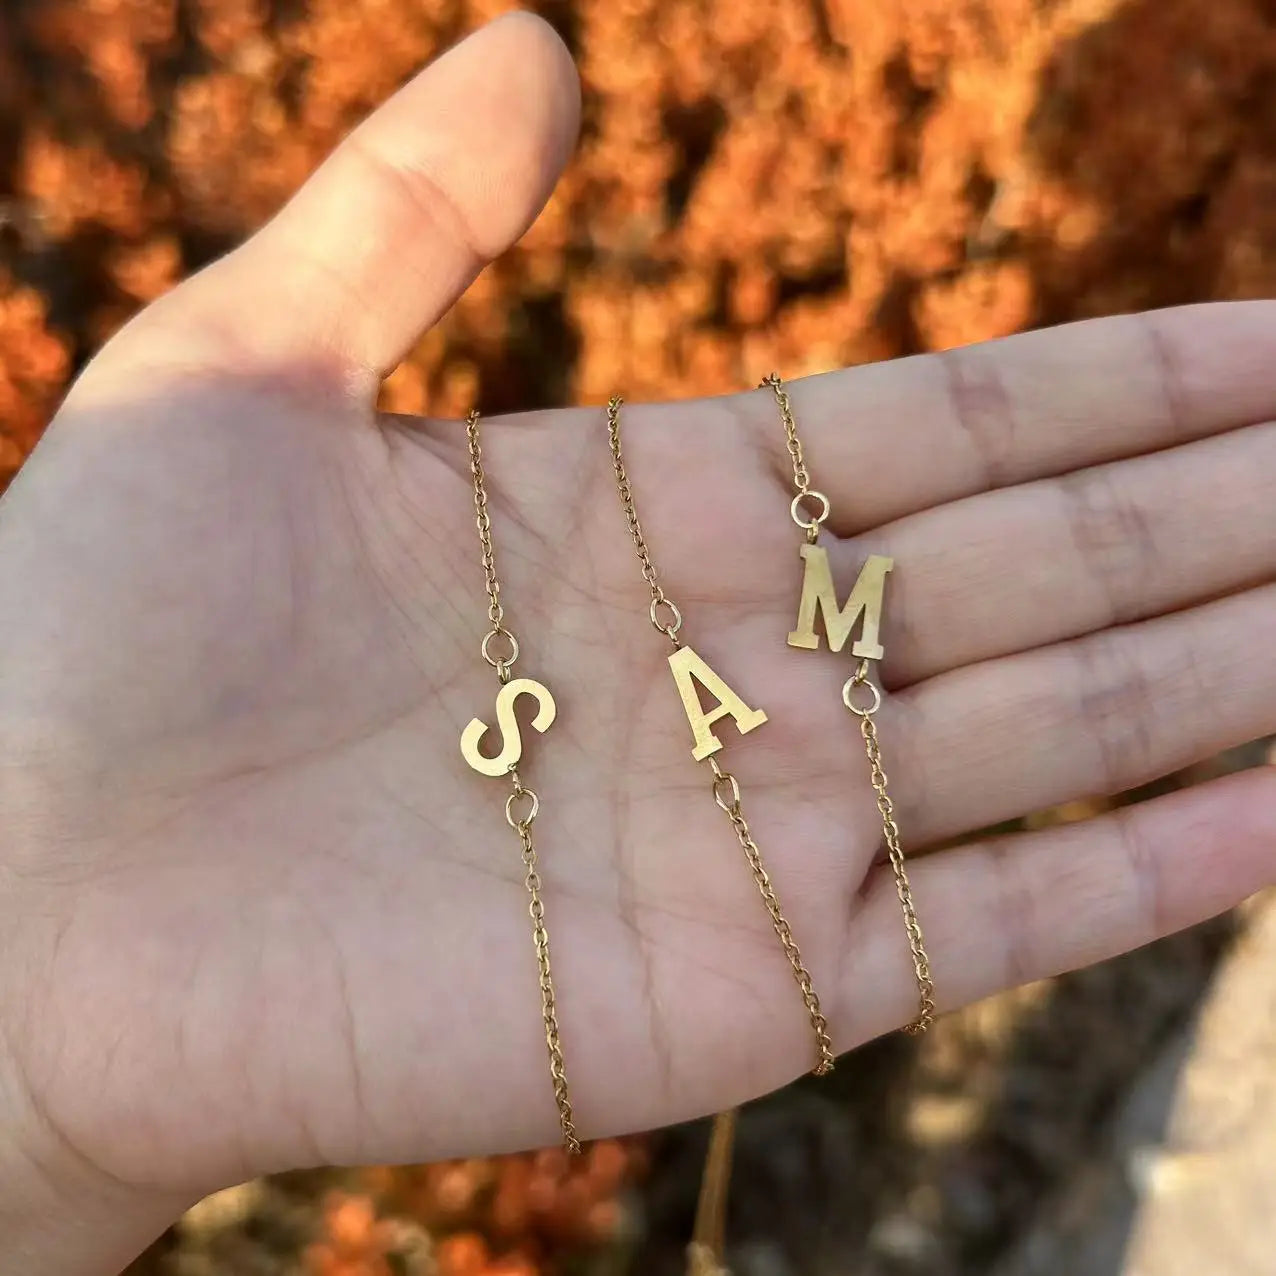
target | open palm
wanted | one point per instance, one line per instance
(260, 912)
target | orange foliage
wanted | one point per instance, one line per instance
(545, 1198)
(503, 1216)
(789, 184)
(355, 1241)
(33, 366)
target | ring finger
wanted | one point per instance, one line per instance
(1099, 714)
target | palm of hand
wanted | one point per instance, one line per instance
(271, 918)
(313, 890)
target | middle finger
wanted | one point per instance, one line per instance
(1055, 559)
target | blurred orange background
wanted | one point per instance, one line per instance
(794, 183)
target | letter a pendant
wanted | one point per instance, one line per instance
(688, 669)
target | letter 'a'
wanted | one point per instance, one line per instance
(689, 669)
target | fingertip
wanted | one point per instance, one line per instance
(509, 88)
(544, 81)
(552, 57)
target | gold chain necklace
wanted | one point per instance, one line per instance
(691, 671)
(809, 509)
(500, 650)
(692, 674)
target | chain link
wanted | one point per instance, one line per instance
(726, 790)
(660, 604)
(801, 479)
(495, 612)
(868, 728)
(903, 888)
(520, 796)
(540, 936)
(823, 1042)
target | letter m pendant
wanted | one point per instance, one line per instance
(819, 597)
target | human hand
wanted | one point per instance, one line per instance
(256, 911)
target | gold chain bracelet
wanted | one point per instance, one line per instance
(500, 650)
(809, 510)
(689, 670)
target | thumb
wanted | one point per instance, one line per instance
(398, 221)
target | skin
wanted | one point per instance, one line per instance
(255, 911)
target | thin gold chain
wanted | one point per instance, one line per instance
(495, 612)
(890, 830)
(663, 612)
(868, 728)
(730, 803)
(801, 479)
(667, 619)
(808, 502)
(522, 805)
(658, 598)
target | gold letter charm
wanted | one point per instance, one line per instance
(819, 595)
(686, 666)
(512, 748)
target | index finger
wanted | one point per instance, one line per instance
(885, 440)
